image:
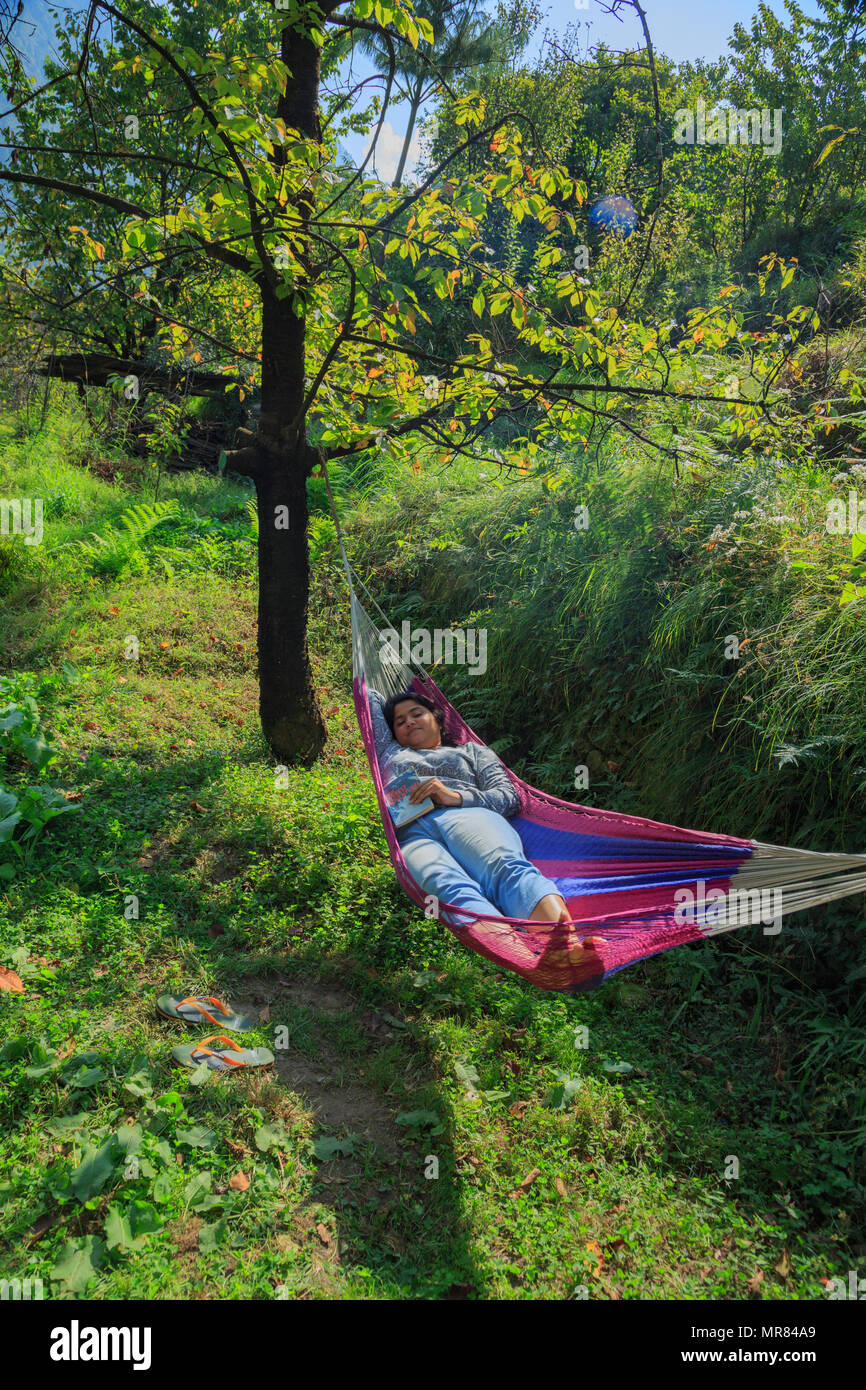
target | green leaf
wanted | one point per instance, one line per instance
(67, 1124)
(422, 1118)
(87, 1077)
(128, 1230)
(266, 1137)
(198, 1187)
(209, 1237)
(93, 1173)
(618, 1068)
(198, 1137)
(139, 1079)
(129, 1138)
(560, 1096)
(327, 1148)
(78, 1262)
(467, 1074)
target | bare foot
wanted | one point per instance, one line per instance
(550, 908)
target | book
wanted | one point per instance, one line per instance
(403, 811)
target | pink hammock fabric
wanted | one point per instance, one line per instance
(617, 873)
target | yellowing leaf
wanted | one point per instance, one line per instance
(9, 980)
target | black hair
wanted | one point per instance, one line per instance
(395, 700)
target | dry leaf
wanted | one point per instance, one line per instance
(518, 1108)
(323, 1233)
(784, 1265)
(595, 1249)
(754, 1284)
(9, 980)
(526, 1183)
(239, 1182)
(561, 1187)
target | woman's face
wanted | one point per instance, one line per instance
(415, 726)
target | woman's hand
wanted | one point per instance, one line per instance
(438, 793)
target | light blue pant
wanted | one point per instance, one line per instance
(473, 858)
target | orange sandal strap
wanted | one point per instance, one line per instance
(211, 999)
(209, 1052)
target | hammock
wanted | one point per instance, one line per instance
(622, 877)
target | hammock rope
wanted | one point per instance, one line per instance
(644, 885)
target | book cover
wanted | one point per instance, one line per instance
(403, 811)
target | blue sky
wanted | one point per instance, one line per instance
(679, 28)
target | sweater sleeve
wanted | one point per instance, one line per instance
(386, 744)
(496, 790)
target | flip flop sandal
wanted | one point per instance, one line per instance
(194, 1009)
(228, 1058)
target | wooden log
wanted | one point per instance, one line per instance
(95, 369)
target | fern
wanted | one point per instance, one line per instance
(111, 553)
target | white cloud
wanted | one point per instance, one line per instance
(387, 154)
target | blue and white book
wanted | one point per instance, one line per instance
(403, 811)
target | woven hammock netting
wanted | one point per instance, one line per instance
(619, 874)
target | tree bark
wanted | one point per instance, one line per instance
(291, 715)
(289, 708)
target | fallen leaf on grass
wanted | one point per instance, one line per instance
(9, 980)
(561, 1187)
(239, 1182)
(757, 1279)
(40, 1226)
(784, 1265)
(323, 1233)
(526, 1183)
(595, 1249)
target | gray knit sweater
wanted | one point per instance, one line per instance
(472, 770)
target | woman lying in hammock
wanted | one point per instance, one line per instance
(464, 851)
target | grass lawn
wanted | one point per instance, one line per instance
(432, 1128)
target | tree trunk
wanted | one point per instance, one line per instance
(279, 460)
(413, 112)
(291, 717)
